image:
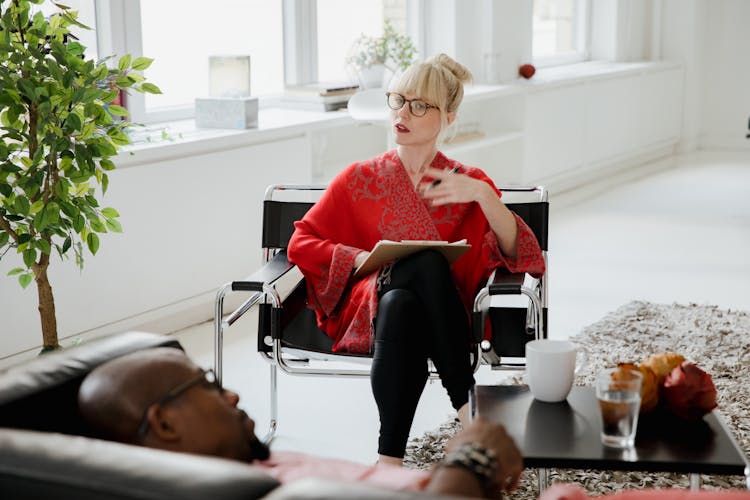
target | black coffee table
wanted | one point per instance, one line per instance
(567, 435)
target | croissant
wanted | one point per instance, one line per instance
(649, 387)
(663, 363)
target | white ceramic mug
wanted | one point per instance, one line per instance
(551, 367)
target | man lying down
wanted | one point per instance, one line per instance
(160, 399)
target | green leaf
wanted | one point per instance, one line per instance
(76, 49)
(87, 131)
(105, 147)
(123, 81)
(66, 163)
(89, 95)
(29, 257)
(17, 270)
(114, 225)
(43, 246)
(107, 164)
(66, 244)
(52, 212)
(36, 207)
(93, 243)
(78, 223)
(82, 189)
(73, 121)
(142, 63)
(54, 69)
(150, 88)
(4, 237)
(120, 138)
(25, 279)
(105, 183)
(110, 212)
(68, 208)
(27, 89)
(117, 110)
(97, 225)
(61, 188)
(124, 62)
(41, 220)
(21, 205)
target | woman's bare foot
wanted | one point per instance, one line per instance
(463, 415)
(385, 459)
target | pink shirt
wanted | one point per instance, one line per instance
(288, 466)
(562, 491)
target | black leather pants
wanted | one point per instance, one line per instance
(420, 316)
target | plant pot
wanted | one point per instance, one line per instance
(372, 77)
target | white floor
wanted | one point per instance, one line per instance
(679, 235)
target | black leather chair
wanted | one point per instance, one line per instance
(288, 336)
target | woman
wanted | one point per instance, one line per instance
(416, 308)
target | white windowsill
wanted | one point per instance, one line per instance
(274, 124)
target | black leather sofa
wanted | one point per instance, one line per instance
(46, 451)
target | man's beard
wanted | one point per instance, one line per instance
(258, 450)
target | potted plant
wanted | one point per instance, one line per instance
(371, 58)
(59, 128)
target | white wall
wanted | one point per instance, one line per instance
(726, 76)
(711, 39)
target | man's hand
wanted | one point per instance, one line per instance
(493, 436)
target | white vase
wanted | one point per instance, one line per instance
(372, 77)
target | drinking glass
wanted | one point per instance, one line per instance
(619, 393)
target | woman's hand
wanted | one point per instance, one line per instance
(457, 188)
(453, 188)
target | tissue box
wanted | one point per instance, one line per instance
(226, 112)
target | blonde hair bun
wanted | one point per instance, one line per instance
(457, 69)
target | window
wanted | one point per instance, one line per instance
(560, 31)
(86, 15)
(289, 42)
(336, 37)
(181, 35)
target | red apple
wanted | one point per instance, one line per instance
(527, 71)
(689, 392)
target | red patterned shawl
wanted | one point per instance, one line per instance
(374, 200)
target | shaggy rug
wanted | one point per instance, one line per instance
(716, 340)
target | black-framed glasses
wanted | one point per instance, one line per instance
(207, 376)
(417, 106)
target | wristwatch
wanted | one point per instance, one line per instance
(480, 461)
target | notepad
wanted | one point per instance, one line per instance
(387, 250)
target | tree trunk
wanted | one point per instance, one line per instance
(46, 304)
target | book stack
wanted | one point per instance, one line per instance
(321, 96)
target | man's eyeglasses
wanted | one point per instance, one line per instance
(207, 376)
(417, 106)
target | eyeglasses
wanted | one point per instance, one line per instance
(207, 376)
(417, 106)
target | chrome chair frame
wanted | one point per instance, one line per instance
(513, 284)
